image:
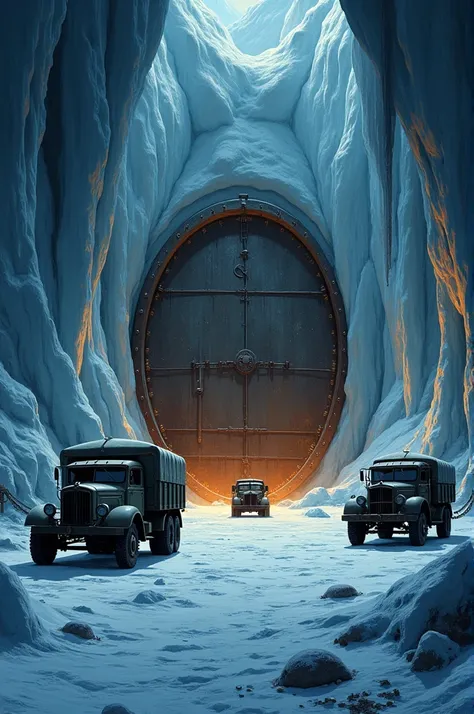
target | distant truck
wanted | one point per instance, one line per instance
(406, 492)
(250, 496)
(113, 493)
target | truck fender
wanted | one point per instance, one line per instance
(415, 505)
(352, 508)
(123, 517)
(37, 517)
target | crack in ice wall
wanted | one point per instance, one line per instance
(104, 155)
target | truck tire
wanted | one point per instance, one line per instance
(356, 533)
(443, 530)
(43, 548)
(126, 548)
(236, 513)
(418, 530)
(163, 542)
(177, 534)
(385, 530)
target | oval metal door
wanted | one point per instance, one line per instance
(239, 349)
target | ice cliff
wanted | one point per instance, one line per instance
(112, 137)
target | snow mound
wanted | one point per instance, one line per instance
(287, 503)
(316, 513)
(148, 597)
(190, 506)
(8, 544)
(439, 597)
(315, 497)
(313, 668)
(218, 503)
(434, 651)
(19, 624)
(337, 591)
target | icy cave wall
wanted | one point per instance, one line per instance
(99, 172)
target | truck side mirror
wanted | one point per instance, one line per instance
(56, 474)
(362, 475)
(233, 489)
(266, 489)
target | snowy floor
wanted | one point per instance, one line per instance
(242, 597)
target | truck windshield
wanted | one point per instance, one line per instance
(250, 486)
(393, 475)
(97, 475)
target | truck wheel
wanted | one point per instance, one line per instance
(43, 548)
(236, 513)
(177, 534)
(385, 530)
(163, 542)
(126, 548)
(356, 533)
(418, 530)
(443, 530)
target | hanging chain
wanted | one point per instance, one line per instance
(464, 510)
(5, 496)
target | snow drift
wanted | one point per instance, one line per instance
(439, 597)
(112, 137)
(19, 623)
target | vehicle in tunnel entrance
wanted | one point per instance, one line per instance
(114, 493)
(250, 496)
(239, 348)
(406, 493)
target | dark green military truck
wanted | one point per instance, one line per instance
(113, 494)
(406, 492)
(250, 495)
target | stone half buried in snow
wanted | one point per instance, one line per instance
(313, 668)
(340, 591)
(316, 513)
(116, 709)
(439, 597)
(148, 597)
(79, 629)
(434, 651)
(19, 624)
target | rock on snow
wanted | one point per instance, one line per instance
(434, 651)
(313, 668)
(340, 591)
(439, 597)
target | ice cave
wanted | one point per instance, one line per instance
(239, 230)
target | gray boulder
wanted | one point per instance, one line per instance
(434, 651)
(79, 629)
(337, 591)
(313, 668)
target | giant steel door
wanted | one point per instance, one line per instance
(239, 349)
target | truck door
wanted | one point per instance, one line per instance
(424, 485)
(135, 493)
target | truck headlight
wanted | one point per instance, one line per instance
(102, 510)
(236, 501)
(50, 509)
(361, 500)
(400, 499)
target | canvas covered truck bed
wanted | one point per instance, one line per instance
(443, 474)
(164, 471)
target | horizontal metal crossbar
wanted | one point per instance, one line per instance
(240, 292)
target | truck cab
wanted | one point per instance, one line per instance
(113, 494)
(406, 493)
(250, 495)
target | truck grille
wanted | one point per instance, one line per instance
(381, 500)
(250, 499)
(76, 508)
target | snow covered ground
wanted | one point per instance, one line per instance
(240, 599)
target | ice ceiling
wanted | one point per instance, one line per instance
(110, 140)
